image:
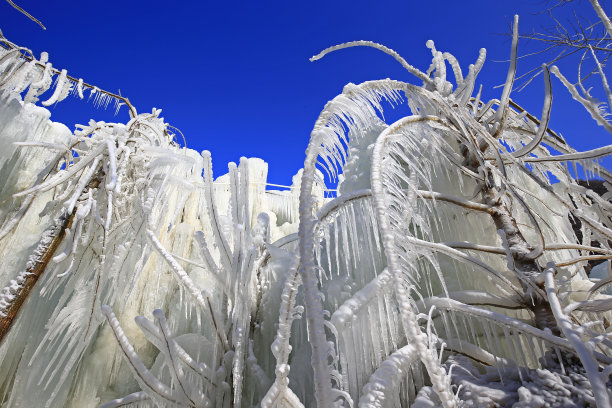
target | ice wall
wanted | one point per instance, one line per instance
(58, 353)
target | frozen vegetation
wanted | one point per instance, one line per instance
(445, 271)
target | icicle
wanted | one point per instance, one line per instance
(79, 88)
(62, 88)
(39, 87)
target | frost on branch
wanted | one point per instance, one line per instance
(445, 271)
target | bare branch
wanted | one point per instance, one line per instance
(28, 15)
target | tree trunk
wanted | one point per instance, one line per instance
(37, 263)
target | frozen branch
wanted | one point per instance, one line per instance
(602, 16)
(414, 71)
(597, 383)
(589, 105)
(502, 112)
(543, 122)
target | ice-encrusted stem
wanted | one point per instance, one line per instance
(414, 71)
(203, 298)
(127, 400)
(65, 175)
(351, 307)
(437, 374)
(387, 377)
(604, 80)
(474, 298)
(502, 112)
(307, 270)
(462, 257)
(465, 88)
(602, 16)
(281, 349)
(170, 352)
(357, 104)
(500, 319)
(156, 337)
(587, 104)
(545, 117)
(220, 240)
(145, 378)
(338, 202)
(598, 385)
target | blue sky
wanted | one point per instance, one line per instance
(235, 76)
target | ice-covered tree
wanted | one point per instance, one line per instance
(444, 272)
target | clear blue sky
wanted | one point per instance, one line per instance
(235, 76)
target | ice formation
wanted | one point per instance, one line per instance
(445, 271)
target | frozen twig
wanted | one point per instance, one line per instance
(589, 105)
(202, 297)
(602, 16)
(543, 122)
(598, 385)
(414, 71)
(502, 113)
